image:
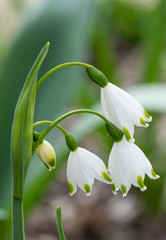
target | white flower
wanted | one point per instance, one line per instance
(123, 110)
(128, 165)
(47, 155)
(83, 166)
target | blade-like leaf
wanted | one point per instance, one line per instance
(28, 128)
(19, 120)
(59, 224)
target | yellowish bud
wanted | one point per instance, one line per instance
(47, 155)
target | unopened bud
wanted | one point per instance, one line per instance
(47, 155)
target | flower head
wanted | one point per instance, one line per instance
(128, 165)
(123, 110)
(83, 166)
(47, 155)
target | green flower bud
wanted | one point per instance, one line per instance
(71, 143)
(115, 133)
(97, 76)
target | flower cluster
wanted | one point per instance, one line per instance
(127, 164)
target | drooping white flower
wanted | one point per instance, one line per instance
(47, 155)
(83, 166)
(123, 110)
(128, 165)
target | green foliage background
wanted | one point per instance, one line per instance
(100, 33)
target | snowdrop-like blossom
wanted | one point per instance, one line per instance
(47, 155)
(83, 166)
(123, 110)
(128, 165)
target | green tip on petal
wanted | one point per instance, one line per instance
(47, 166)
(87, 189)
(154, 174)
(141, 183)
(52, 163)
(146, 114)
(114, 189)
(143, 122)
(71, 188)
(106, 166)
(124, 190)
(127, 133)
(106, 177)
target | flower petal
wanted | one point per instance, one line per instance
(122, 109)
(71, 174)
(128, 165)
(94, 165)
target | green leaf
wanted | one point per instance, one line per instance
(59, 224)
(28, 129)
(21, 135)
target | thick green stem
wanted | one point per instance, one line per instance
(18, 219)
(42, 80)
(54, 123)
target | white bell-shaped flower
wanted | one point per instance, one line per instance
(123, 110)
(128, 165)
(47, 155)
(83, 166)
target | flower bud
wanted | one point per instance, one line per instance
(47, 155)
(97, 76)
(115, 133)
(71, 143)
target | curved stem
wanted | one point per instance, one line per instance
(41, 122)
(54, 123)
(49, 122)
(42, 80)
(62, 129)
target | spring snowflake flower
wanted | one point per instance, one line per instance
(128, 165)
(83, 166)
(123, 110)
(47, 155)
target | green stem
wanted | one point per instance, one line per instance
(49, 122)
(54, 123)
(18, 219)
(62, 129)
(42, 80)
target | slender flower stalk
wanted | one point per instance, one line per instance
(53, 70)
(58, 120)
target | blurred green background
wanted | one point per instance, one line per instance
(126, 40)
